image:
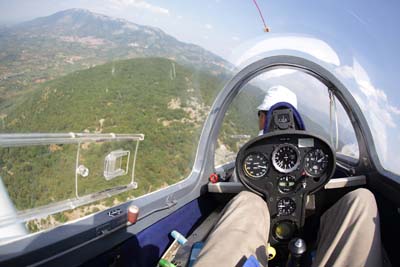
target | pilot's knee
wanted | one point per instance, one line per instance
(248, 196)
(364, 199)
(251, 199)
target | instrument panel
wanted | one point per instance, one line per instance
(284, 168)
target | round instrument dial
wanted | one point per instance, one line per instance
(286, 183)
(286, 206)
(316, 162)
(255, 165)
(286, 158)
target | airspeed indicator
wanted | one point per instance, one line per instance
(255, 165)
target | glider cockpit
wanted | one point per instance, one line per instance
(285, 168)
(77, 190)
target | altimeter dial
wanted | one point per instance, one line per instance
(286, 158)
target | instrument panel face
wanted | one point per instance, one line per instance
(285, 167)
(278, 163)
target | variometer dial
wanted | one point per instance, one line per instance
(286, 158)
(315, 162)
(255, 165)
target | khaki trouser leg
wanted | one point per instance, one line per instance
(349, 234)
(241, 231)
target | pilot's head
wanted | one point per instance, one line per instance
(275, 94)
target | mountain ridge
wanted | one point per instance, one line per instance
(47, 47)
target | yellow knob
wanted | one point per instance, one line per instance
(271, 252)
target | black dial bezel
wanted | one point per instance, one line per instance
(291, 189)
(249, 175)
(293, 206)
(305, 162)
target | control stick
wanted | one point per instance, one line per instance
(297, 247)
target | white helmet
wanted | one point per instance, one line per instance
(276, 94)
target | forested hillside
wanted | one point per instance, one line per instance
(49, 47)
(157, 97)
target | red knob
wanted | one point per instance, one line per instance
(133, 212)
(214, 178)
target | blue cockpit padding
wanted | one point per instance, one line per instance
(154, 240)
(296, 115)
(147, 247)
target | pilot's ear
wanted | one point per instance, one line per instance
(261, 119)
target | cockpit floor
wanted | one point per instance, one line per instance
(199, 235)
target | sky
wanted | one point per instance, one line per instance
(220, 25)
(214, 24)
(367, 30)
